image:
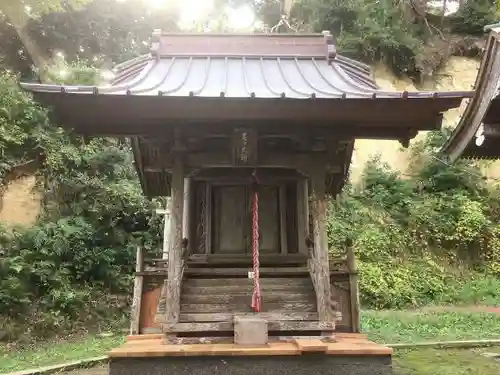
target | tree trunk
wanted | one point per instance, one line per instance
(443, 11)
(287, 7)
(19, 21)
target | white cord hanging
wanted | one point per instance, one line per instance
(283, 21)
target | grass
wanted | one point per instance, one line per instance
(381, 326)
(392, 327)
(443, 362)
(55, 352)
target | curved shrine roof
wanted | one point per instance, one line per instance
(293, 80)
(255, 77)
(299, 66)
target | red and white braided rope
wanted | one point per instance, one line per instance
(256, 297)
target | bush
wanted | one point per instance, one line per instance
(81, 253)
(421, 239)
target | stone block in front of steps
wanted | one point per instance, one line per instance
(250, 330)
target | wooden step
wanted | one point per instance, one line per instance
(190, 289)
(272, 326)
(237, 298)
(277, 260)
(229, 316)
(237, 281)
(243, 272)
(266, 307)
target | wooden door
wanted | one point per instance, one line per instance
(232, 229)
(230, 219)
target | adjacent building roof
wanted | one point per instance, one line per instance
(477, 134)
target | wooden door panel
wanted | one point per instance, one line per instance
(269, 219)
(230, 229)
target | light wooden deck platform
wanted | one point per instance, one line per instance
(345, 345)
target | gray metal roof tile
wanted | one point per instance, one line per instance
(298, 66)
(239, 77)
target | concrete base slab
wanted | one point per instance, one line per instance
(305, 364)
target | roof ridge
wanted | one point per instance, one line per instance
(262, 44)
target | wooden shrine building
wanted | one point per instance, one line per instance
(250, 135)
(477, 135)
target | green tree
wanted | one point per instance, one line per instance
(18, 13)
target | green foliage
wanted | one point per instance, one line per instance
(438, 225)
(474, 16)
(392, 32)
(364, 30)
(22, 126)
(66, 269)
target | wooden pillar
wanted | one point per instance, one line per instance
(137, 296)
(186, 216)
(320, 253)
(175, 251)
(208, 219)
(302, 215)
(353, 289)
(282, 220)
(166, 228)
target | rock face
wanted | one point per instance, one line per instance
(20, 202)
(457, 75)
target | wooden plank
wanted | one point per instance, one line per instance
(247, 289)
(308, 345)
(223, 349)
(269, 219)
(228, 316)
(246, 259)
(272, 326)
(273, 271)
(242, 298)
(351, 336)
(266, 307)
(164, 272)
(155, 336)
(137, 296)
(230, 219)
(282, 219)
(230, 339)
(175, 261)
(155, 348)
(223, 159)
(301, 281)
